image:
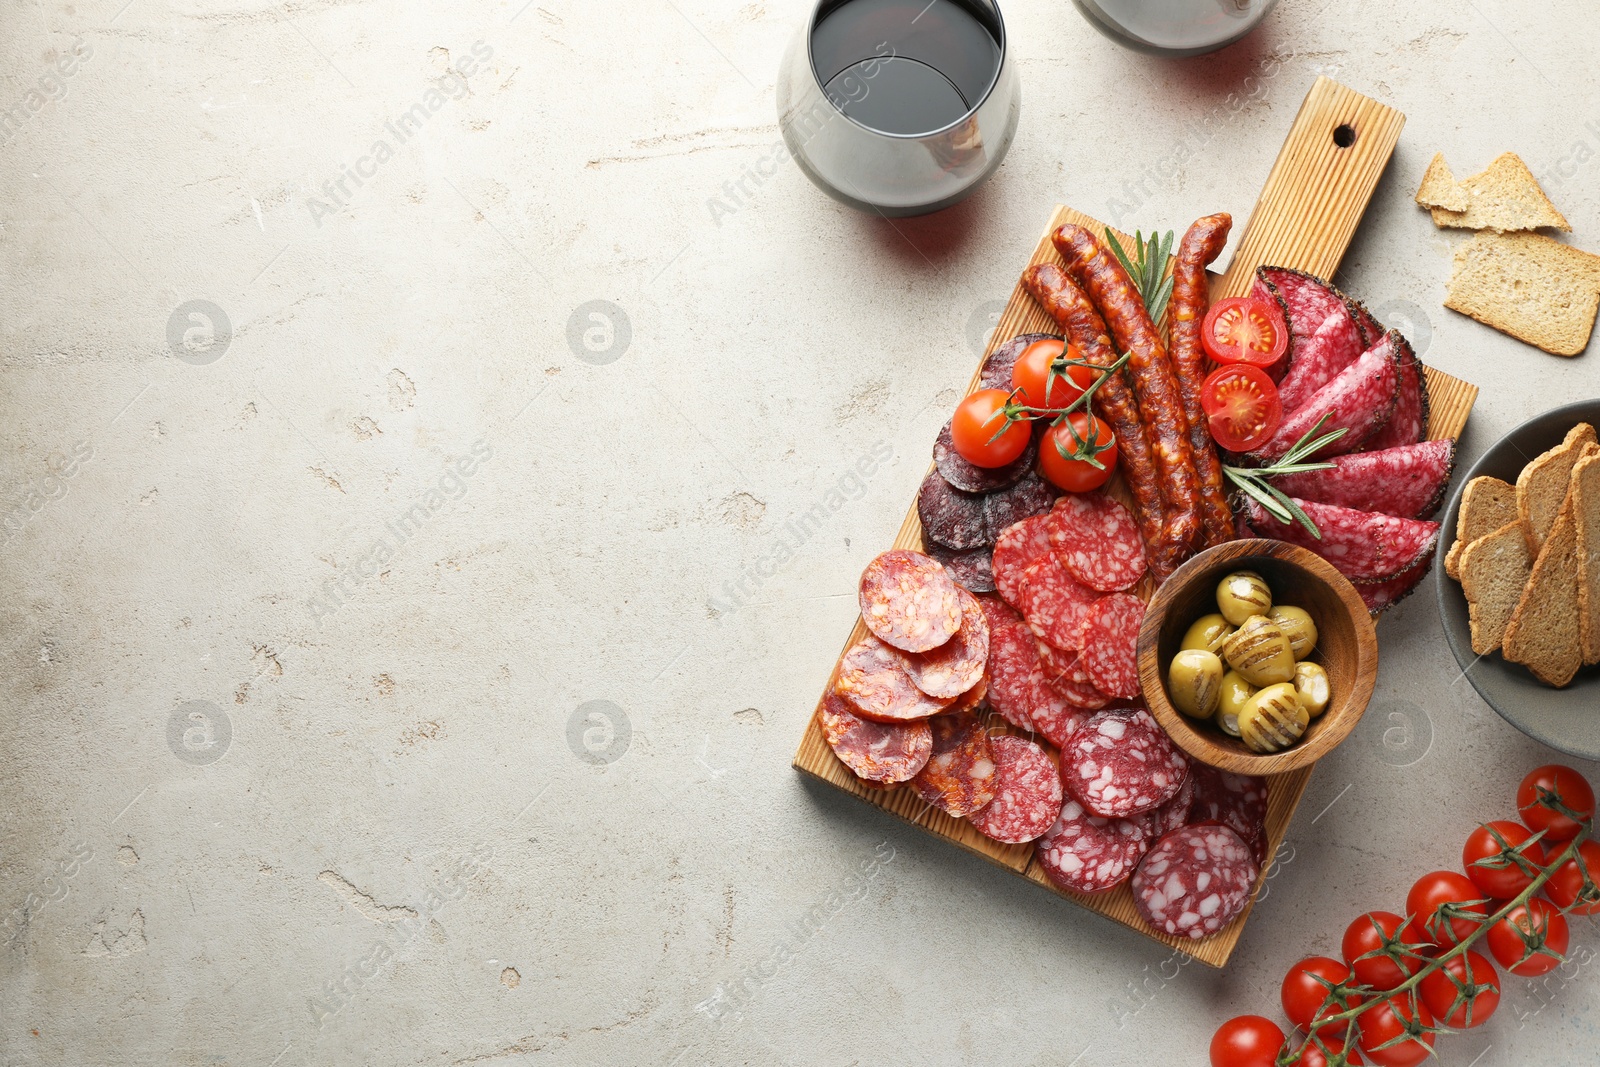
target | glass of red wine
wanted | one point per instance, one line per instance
(899, 107)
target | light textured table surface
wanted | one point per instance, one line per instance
(301, 632)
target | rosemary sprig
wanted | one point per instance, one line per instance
(1148, 268)
(1278, 504)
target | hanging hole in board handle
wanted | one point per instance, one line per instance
(1344, 135)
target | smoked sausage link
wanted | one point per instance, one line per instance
(1190, 301)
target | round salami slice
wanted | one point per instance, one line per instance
(908, 601)
(957, 665)
(1194, 881)
(1086, 853)
(960, 775)
(1027, 796)
(1121, 763)
(874, 681)
(973, 478)
(1019, 546)
(1057, 720)
(1064, 674)
(1110, 643)
(969, 700)
(876, 751)
(1097, 541)
(1031, 496)
(1237, 801)
(951, 517)
(1016, 677)
(1054, 602)
(1171, 815)
(970, 568)
(996, 372)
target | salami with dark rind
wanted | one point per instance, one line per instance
(951, 517)
(1364, 546)
(957, 665)
(1201, 244)
(960, 775)
(1086, 853)
(1323, 329)
(970, 477)
(1097, 541)
(1408, 480)
(1409, 422)
(1031, 496)
(1110, 639)
(876, 751)
(875, 682)
(1359, 401)
(1381, 596)
(1016, 677)
(1262, 291)
(1194, 881)
(908, 601)
(996, 372)
(970, 568)
(1053, 602)
(1064, 674)
(1018, 546)
(1121, 763)
(1027, 797)
(1056, 719)
(1238, 801)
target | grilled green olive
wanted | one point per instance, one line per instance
(1234, 695)
(1312, 687)
(1243, 594)
(1208, 633)
(1273, 720)
(1195, 682)
(1259, 651)
(1297, 626)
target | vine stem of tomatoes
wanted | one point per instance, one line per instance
(1015, 412)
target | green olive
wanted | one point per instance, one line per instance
(1234, 695)
(1195, 682)
(1208, 633)
(1260, 652)
(1243, 594)
(1273, 720)
(1297, 626)
(1312, 687)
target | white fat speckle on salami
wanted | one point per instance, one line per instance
(874, 681)
(1121, 763)
(876, 751)
(1054, 602)
(1016, 677)
(1194, 881)
(1017, 548)
(1097, 541)
(1064, 673)
(1110, 640)
(908, 601)
(1086, 853)
(1027, 797)
(960, 776)
(957, 665)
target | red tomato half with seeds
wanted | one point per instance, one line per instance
(1458, 1001)
(1242, 407)
(1567, 884)
(1031, 373)
(1435, 904)
(1246, 1041)
(1392, 1019)
(982, 435)
(1545, 792)
(1060, 446)
(1244, 329)
(1304, 992)
(1375, 947)
(1530, 941)
(1491, 860)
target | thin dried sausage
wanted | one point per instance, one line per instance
(1190, 300)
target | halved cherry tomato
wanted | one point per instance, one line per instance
(1498, 872)
(982, 435)
(1059, 447)
(1244, 329)
(1031, 372)
(1451, 996)
(1566, 884)
(1241, 406)
(1395, 1018)
(1442, 906)
(1246, 1041)
(1548, 789)
(1530, 941)
(1377, 951)
(1304, 993)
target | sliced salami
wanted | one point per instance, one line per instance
(1110, 656)
(1064, 674)
(1031, 496)
(1056, 720)
(1194, 881)
(1362, 545)
(970, 568)
(1359, 401)
(1307, 302)
(996, 372)
(1016, 677)
(1409, 422)
(973, 478)
(1018, 547)
(1027, 796)
(1323, 346)
(1054, 603)
(1097, 541)
(957, 665)
(1086, 853)
(908, 601)
(1408, 480)
(876, 751)
(1380, 596)
(874, 681)
(1171, 815)
(969, 700)
(1237, 801)
(1121, 763)
(960, 775)
(951, 517)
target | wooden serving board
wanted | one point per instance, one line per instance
(1305, 217)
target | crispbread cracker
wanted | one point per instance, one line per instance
(1486, 505)
(1586, 513)
(1494, 571)
(1542, 486)
(1504, 196)
(1543, 634)
(1534, 288)
(1439, 187)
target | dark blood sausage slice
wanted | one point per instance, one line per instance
(950, 516)
(876, 751)
(1115, 401)
(1018, 546)
(974, 479)
(1016, 678)
(1121, 763)
(1409, 422)
(1109, 286)
(1190, 300)
(1360, 400)
(1031, 496)
(1053, 602)
(1097, 541)
(1171, 815)
(1408, 480)
(1380, 596)
(1086, 853)
(957, 665)
(1323, 329)
(1064, 674)
(970, 568)
(1364, 546)
(960, 775)
(996, 372)
(1110, 654)
(874, 681)
(908, 601)
(1194, 881)
(1027, 798)
(1238, 801)
(1057, 719)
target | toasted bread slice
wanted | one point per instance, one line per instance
(1586, 513)
(1543, 634)
(1504, 196)
(1486, 505)
(1439, 187)
(1542, 485)
(1534, 288)
(1494, 571)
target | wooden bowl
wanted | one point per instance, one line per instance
(1347, 648)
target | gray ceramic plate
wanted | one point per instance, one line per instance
(1564, 719)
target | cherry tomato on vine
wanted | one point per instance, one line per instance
(1244, 329)
(1078, 475)
(1446, 891)
(1312, 1056)
(1531, 940)
(1566, 884)
(1303, 995)
(1242, 407)
(1394, 1018)
(1441, 994)
(1546, 787)
(1246, 1041)
(1032, 370)
(1492, 867)
(975, 424)
(1375, 947)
